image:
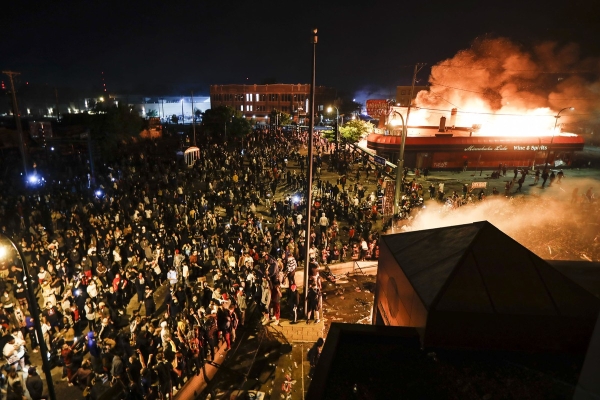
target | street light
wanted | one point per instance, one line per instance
(400, 167)
(337, 132)
(311, 128)
(34, 311)
(557, 116)
(181, 111)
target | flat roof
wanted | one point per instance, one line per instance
(376, 362)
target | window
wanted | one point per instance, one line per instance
(248, 108)
(241, 108)
(263, 97)
(248, 96)
(320, 107)
(273, 97)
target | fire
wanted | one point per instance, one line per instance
(503, 90)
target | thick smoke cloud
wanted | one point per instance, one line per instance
(547, 222)
(498, 76)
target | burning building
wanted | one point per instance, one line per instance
(496, 103)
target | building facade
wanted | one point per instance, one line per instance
(403, 94)
(258, 101)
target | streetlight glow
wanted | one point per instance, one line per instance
(3, 252)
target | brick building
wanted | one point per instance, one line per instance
(257, 101)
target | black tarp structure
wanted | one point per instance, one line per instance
(472, 286)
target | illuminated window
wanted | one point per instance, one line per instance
(257, 97)
(241, 108)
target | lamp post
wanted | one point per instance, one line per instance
(181, 111)
(557, 116)
(337, 132)
(35, 314)
(311, 128)
(400, 167)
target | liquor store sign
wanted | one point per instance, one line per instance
(377, 107)
(506, 148)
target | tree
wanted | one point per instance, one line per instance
(216, 120)
(281, 118)
(110, 127)
(174, 118)
(152, 113)
(354, 129)
(329, 134)
(198, 113)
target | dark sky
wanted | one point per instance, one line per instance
(161, 47)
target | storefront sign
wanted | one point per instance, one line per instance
(531, 148)
(505, 148)
(478, 185)
(487, 148)
(377, 108)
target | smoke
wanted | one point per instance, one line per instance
(498, 76)
(372, 92)
(548, 223)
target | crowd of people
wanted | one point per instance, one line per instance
(145, 269)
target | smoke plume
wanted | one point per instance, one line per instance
(552, 223)
(497, 76)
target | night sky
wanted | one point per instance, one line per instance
(164, 47)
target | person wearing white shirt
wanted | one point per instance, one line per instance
(323, 223)
(92, 290)
(185, 273)
(172, 276)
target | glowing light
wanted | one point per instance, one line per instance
(101, 99)
(33, 179)
(52, 148)
(98, 193)
(3, 252)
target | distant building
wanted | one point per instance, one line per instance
(165, 107)
(403, 94)
(257, 101)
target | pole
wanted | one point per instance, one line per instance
(57, 110)
(17, 118)
(557, 116)
(337, 138)
(182, 122)
(193, 119)
(400, 168)
(91, 154)
(35, 314)
(311, 128)
(418, 67)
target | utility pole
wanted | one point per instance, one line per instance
(57, 110)
(10, 75)
(311, 128)
(418, 67)
(400, 168)
(193, 119)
